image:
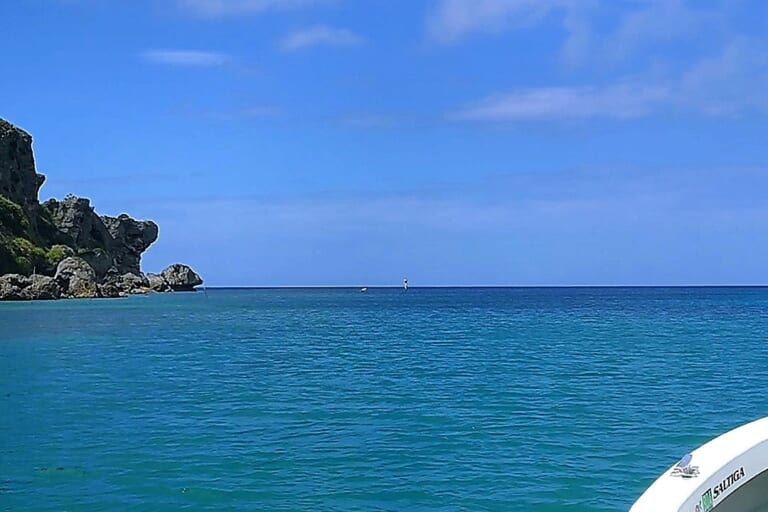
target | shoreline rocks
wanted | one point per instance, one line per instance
(63, 248)
(76, 279)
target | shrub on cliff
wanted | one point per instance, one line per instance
(57, 253)
(29, 257)
(19, 252)
(13, 220)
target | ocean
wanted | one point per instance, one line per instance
(438, 399)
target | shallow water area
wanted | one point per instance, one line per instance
(536, 399)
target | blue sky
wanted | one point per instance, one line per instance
(331, 142)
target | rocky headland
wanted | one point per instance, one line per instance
(64, 249)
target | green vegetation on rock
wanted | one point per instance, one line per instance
(13, 220)
(17, 252)
(72, 250)
(20, 250)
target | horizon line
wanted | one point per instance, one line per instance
(354, 286)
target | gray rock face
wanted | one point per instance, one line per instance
(18, 287)
(106, 243)
(116, 285)
(42, 288)
(8, 291)
(78, 224)
(76, 278)
(130, 238)
(157, 283)
(181, 278)
(19, 181)
(11, 286)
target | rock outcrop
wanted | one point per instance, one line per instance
(181, 278)
(19, 181)
(107, 243)
(77, 278)
(11, 286)
(123, 285)
(42, 288)
(157, 283)
(130, 238)
(67, 248)
(18, 287)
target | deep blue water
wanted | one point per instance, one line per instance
(569, 399)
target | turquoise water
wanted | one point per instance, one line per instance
(328, 399)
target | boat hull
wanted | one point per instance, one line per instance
(732, 476)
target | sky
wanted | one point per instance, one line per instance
(455, 142)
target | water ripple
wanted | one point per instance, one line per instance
(443, 399)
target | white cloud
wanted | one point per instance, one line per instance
(649, 23)
(731, 83)
(620, 101)
(603, 31)
(190, 58)
(217, 8)
(320, 35)
(454, 19)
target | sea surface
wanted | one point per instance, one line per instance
(463, 399)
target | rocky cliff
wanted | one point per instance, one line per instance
(64, 248)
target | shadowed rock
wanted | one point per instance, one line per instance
(19, 181)
(42, 288)
(11, 286)
(130, 238)
(18, 287)
(76, 278)
(116, 285)
(106, 243)
(181, 278)
(157, 283)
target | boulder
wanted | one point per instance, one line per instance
(181, 278)
(42, 288)
(116, 285)
(12, 286)
(8, 291)
(157, 283)
(76, 278)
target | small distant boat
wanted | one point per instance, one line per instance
(363, 289)
(727, 474)
(405, 284)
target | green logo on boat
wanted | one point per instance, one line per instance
(707, 503)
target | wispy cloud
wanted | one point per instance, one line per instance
(731, 83)
(621, 101)
(220, 8)
(454, 19)
(319, 35)
(189, 58)
(645, 25)
(595, 30)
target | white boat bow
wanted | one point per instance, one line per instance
(727, 474)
